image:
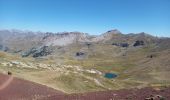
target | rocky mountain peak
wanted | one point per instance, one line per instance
(114, 31)
(63, 38)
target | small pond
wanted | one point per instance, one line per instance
(110, 75)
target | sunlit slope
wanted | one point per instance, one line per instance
(80, 62)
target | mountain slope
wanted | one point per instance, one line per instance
(63, 60)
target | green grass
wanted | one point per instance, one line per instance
(134, 70)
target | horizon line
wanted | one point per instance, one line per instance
(56, 32)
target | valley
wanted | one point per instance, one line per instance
(75, 62)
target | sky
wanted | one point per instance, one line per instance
(89, 16)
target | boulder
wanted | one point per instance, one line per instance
(80, 54)
(9, 73)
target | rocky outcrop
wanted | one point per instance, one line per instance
(38, 52)
(64, 38)
(27, 53)
(121, 44)
(107, 36)
(4, 48)
(138, 43)
(43, 51)
(80, 54)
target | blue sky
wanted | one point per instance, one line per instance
(90, 16)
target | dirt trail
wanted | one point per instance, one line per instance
(6, 83)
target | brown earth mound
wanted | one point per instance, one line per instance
(133, 94)
(12, 88)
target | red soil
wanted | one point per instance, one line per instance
(17, 89)
(133, 94)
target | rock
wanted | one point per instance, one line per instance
(17, 51)
(138, 43)
(15, 62)
(88, 45)
(93, 71)
(124, 44)
(79, 54)
(43, 51)
(9, 73)
(4, 48)
(115, 44)
(31, 51)
(38, 52)
(151, 56)
(156, 97)
(48, 34)
(121, 44)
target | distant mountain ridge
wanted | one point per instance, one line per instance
(24, 41)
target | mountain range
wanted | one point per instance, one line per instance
(139, 59)
(27, 43)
